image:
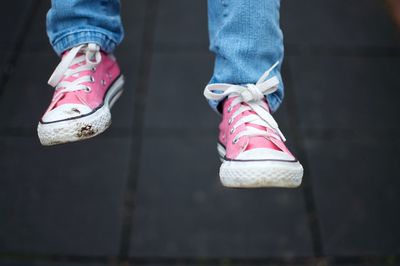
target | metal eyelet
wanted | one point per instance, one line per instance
(103, 82)
(88, 89)
(230, 121)
(91, 79)
(232, 130)
(235, 140)
(229, 109)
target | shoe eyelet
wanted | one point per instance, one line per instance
(232, 130)
(103, 82)
(88, 89)
(229, 109)
(93, 68)
(235, 140)
(92, 79)
(230, 121)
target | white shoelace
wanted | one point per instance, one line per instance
(90, 57)
(252, 95)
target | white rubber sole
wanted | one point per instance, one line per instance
(83, 127)
(255, 174)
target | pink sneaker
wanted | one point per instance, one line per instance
(87, 83)
(251, 146)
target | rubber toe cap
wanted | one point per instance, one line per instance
(264, 154)
(66, 111)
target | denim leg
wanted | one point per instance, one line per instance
(73, 22)
(246, 39)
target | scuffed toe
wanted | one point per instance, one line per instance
(66, 111)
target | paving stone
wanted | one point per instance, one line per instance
(133, 15)
(182, 209)
(182, 25)
(12, 16)
(331, 23)
(368, 263)
(354, 94)
(27, 94)
(218, 261)
(175, 97)
(3, 58)
(62, 200)
(37, 263)
(356, 188)
(36, 39)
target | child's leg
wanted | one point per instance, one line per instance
(74, 22)
(246, 39)
(88, 81)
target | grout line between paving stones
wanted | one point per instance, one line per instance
(271, 260)
(138, 122)
(20, 38)
(307, 188)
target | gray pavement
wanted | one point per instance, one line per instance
(147, 192)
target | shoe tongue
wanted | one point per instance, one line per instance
(68, 98)
(71, 97)
(258, 141)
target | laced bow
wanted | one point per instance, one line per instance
(252, 95)
(87, 56)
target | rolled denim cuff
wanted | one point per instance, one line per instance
(76, 38)
(274, 100)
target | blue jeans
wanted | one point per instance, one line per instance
(244, 35)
